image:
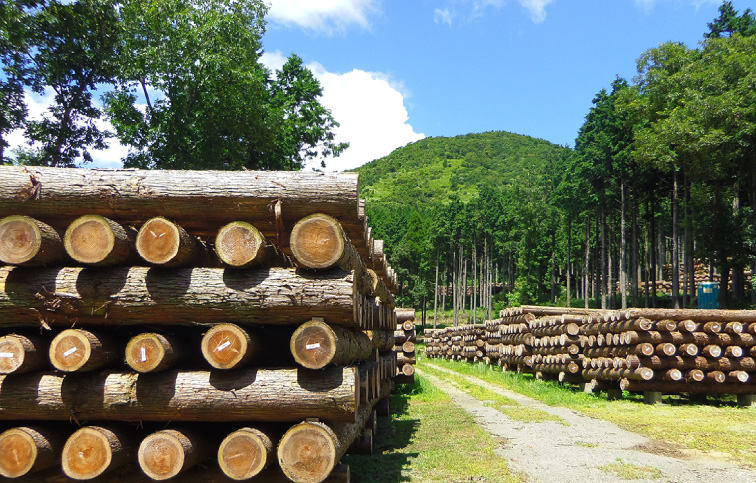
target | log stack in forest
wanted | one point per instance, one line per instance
(639, 350)
(405, 338)
(161, 324)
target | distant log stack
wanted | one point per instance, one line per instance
(640, 350)
(405, 338)
(194, 316)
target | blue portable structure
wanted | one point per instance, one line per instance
(708, 295)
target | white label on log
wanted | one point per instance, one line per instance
(7, 355)
(69, 352)
(143, 354)
(310, 347)
(223, 346)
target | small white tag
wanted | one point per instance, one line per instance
(310, 347)
(6, 355)
(69, 352)
(143, 353)
(223, 346)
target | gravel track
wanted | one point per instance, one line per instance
(553, 451)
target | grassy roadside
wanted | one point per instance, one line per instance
(716, 426)
(429, 439)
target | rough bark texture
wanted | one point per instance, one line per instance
(93, 450)
(316, 344)
(309, 451)
(167, 453)
(383, 340)
(242, 395)
(245, 453)
(152, 352)
(21, 353)
(405, 315)
(181, 296)
(28, 449)
(26, 241)
(163, 243)
(98, 241)
(79, 350)
(239, 244)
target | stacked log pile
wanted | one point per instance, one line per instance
(473, 342)
(112, 283)
(405, 338)
(639, 350)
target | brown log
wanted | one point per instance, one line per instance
(711, 351)
(688, 350)
(138, 195)
(408, 347)
(239, 244)
(406, 370)
(152, 352)
(703, 363)
(683, 387)
(316, 344)
(317, 241)
(363, 444)
(666, 325)
(93, 450)
(405, 315)
(665, 349)
(733, 351)
(226, 346)
(698, 338)
(98, 241)
(383, 340)
(734, 327)
(738, 376)
(718, 377)
(26, 241)
(240, 395)
(164, 454)
(186, 295)
(696, 315)
(163, 243)
(379, 288)
(695, 375)
(22, 353)
(405, 358)
(309, 451)
(245, 453)
(28, 449)
(79, 350)
(672, 375)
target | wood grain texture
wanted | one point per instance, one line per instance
(26, 241)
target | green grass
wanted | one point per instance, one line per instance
(717, 426)
(627, 471)
(429, 439)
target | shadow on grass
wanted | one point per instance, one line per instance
(389, 458)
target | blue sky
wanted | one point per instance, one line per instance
(395, 71)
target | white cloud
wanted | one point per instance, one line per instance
(324, 16)
(443, 16)
(537, 9)
(648, 5)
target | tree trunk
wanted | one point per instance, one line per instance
(152, 352)
(587, 257)
(163, 243)
(228, 346)
(605, 284)
(435, 292)
(181, 296)
(239, 244)
(28, 449)
(79, 350)
(26, 241)
(316, 344)
(246, 452)
(675, 241)
(21, 353)
(164, 454)
(623, 248)
(241, 395)
(98, 241)
(94, 450)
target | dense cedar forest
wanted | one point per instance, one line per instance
(660, 186)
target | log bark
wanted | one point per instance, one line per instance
(309, 451)
(98, 241)
(79, 350)
(27, 449)
(239, 244)
(138, 195)
(383, 340)
(405, 315)
(181, 296)
(163, 243)
(683, 387)
(241, 395)
(152, 352)
(26, 241)
(21, 353)
(696, 315)
(164, 454)
(93, 450)
(316, 344)
(405, 358)
(227, 346)
(401, 336)
(246, 452)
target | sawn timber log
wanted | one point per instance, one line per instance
(241, 395)
(134, 295)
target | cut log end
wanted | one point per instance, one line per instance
(89, 239)
(313, 345)
(239, 244)
(145, 352)
(161, 455)
(225, 346)
(12, 354)
(307, 453)
(158, 241)
(245, 453)
(317, 241)
(88, 453)
(18, 452)
(20, 239)
(70, 350)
